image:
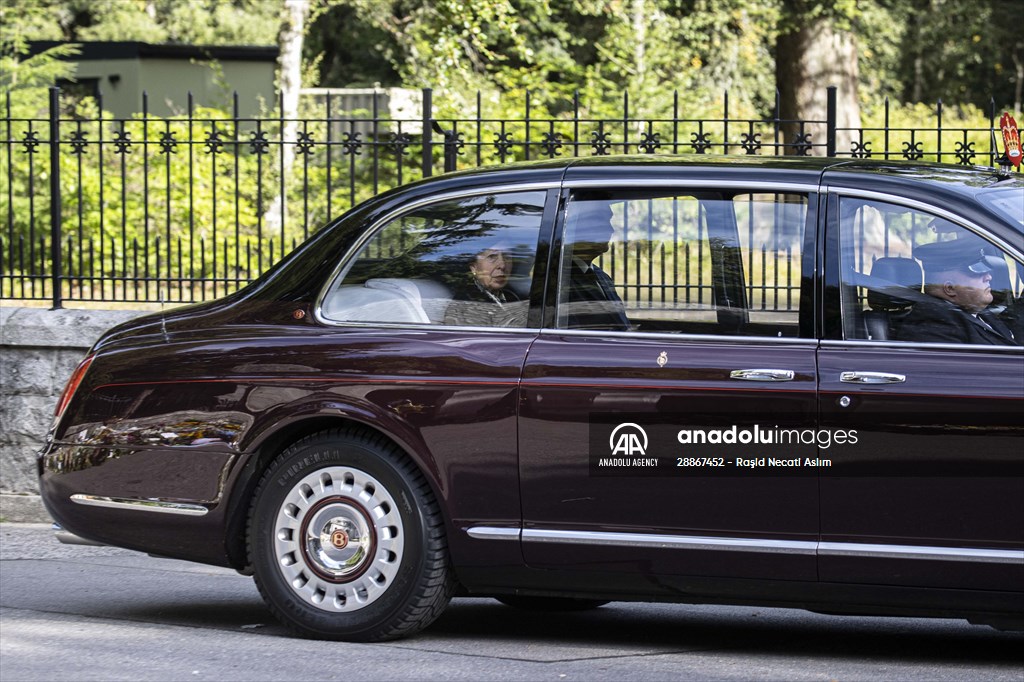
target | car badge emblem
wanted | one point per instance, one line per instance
(339, 539)
(663, 359)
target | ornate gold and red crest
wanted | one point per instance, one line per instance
(1011, 139)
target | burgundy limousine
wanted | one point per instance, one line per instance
(781, 382)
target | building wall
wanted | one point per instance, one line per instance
(167, 82)
(123, 95)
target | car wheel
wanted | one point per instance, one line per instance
(551, 604)
(346, 540)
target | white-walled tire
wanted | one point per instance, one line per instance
(346, 540)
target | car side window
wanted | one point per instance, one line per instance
(909, 275)
(463, 262)
(725, 263)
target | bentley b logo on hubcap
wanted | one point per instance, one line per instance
(339, 539)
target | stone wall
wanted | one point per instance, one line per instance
(39, 349)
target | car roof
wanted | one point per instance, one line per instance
(966, 179)
(970, 178)
(935, 184)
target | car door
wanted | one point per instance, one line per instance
(714, 283)
(931, 493)
(432, 321)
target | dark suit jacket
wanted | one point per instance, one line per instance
(940, 321)
(471, 291)
(472, 307)
(593, 302)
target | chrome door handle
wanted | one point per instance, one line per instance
(871, 378)
(762, 374)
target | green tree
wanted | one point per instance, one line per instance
(648, 48)
(196, 22)
(817, 47)
(347, 50)
(965, 51)
(26, 78)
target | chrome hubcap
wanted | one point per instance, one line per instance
(338, 538)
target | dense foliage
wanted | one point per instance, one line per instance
(962, 51)
(227, 211)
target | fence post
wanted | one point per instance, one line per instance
(55, 206)
(450, 151)
(830, 123)
(428, 132)
(451, 146)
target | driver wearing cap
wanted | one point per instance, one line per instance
(958, 277)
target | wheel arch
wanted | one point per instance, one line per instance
(276, 441)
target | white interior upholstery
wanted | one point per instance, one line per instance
(388, 299)
(432, 297)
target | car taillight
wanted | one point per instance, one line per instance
(72, 386)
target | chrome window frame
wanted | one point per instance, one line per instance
(755, 186)
(346, 261)
(956, 219)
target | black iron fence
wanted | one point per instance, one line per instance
(191, 207)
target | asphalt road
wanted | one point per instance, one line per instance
(98, 613)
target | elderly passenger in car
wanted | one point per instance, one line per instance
(483, 298)
(958, 278)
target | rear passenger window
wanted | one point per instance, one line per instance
(465, 262)
(721, 263)
(909, 275)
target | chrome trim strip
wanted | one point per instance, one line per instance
(182, 508)
(864, 343)
(930, 208)
(800, 547)
(708, 184)
(773, 340)
(413, 326)
(653, 541)
(488, 533)
(985, 556)
(368, 234)
(427, 327)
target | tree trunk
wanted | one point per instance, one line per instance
(290, 63)
(290, 82)
(807, 61)
(640, 39)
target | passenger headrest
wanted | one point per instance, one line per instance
(902, 273)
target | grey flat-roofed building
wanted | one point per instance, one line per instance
(121, 71)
